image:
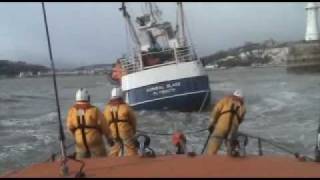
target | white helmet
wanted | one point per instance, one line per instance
(82, 95)
(238, 93)
(116, 93)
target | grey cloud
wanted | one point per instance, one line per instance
(88, 33)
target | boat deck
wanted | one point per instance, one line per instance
(180, 166)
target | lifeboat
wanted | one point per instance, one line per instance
(179, 166)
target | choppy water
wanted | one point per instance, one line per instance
(282, 107)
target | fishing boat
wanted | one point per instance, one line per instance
(164, 72)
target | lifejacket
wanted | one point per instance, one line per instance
(234, 110)
(119, 116)
(81, 122)
(115, 120)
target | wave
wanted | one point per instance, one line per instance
(19, 123)
(20, 98)
(30, 97)
(9, 100)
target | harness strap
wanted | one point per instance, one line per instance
(115, 120)
(119, 120)
(84, 125)
(233, 112)
(81, 125)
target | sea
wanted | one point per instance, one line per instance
(281, 107)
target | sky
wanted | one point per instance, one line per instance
(84, 33)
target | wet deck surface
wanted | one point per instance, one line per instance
(181, 166)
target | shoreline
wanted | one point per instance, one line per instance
(50, 76)
(248, 67)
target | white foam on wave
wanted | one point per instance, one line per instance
(31, 122)
(272, 104)
(288, 95)
(224, 86)
(102, 83)
(16, 148)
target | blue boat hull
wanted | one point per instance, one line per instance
(189, 94)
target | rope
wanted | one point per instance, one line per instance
(260, 140)
(296, 154)
(80, 173)
(206, 143)
(170, 134)
(53, 155)
(203, 102)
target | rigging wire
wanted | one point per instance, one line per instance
(64, 168)
(170, 134)
(127, 38)
(61, 132)
(132, 31)
(277, 145)
(274, 144)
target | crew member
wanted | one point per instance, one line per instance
(121, 120)
(225, 119)
(88, 126)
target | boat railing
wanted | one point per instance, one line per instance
(184, 54)
(166, 57)
(158, 65)
(129, 67)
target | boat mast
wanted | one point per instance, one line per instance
(131, 26)
(182, 35)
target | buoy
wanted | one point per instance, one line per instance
(179, 140)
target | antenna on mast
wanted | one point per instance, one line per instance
(126, 15)
(182, 35)
(154, 11)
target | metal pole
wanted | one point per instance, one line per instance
(203, 102)
(260, 147)
(61, 133)
(206, 143)
(317, 149)
(182, 35)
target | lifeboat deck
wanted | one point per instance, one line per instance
(180, 166)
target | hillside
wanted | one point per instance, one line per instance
(95, 67)
(10, 68)
(249, 54)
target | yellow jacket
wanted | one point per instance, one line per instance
(224, 105)
(93, 118)
(126, 117)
